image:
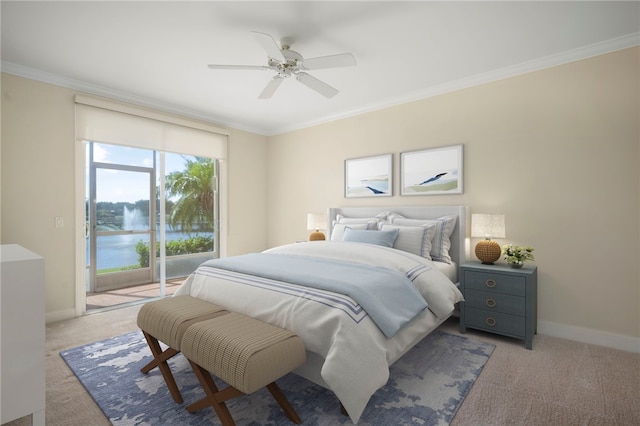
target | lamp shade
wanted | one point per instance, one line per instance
(487, 226)
(316, 222)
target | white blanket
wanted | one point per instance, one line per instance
(356, 353)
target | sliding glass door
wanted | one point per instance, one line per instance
(119, 227)
(151, 217)
(121, 183)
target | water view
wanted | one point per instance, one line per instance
(116, 251)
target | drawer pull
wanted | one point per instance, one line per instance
(490, 283)
(491, 322)
(491, 303)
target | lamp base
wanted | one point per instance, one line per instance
(488, 251)
(316, 236)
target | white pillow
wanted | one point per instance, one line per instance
(413, 239)
(440, 243)
(371, 222)
(338, 230)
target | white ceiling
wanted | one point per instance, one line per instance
(156, 53)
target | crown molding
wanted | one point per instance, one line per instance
(569, 56)
(96, 90)
(597, 49)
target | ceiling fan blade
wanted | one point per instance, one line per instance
(271, 87)
(239, 67)
(319, 86)
(331, 61)
(269, 45)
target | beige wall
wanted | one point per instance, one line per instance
(556, 151)
(38, 184)
(38, 179)
(247, 193)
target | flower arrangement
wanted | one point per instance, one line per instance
(517, 255)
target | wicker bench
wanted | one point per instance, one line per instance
(247, 354)
(166, 320)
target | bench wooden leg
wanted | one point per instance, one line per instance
(160, 360)
(216, 398)
(164, 356)
(284, 403)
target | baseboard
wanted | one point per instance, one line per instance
(60, 315)
(587, 335)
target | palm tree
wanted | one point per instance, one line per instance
(193, 188)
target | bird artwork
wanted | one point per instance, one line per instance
(432, 179)
(432, 171)
(375, 191)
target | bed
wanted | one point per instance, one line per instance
(357, 301)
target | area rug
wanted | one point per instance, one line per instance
(426, 387)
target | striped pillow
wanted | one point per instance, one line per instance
(440, 244)
(413, 239)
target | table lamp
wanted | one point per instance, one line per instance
(487, 226)
(316, 222)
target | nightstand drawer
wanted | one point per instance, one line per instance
(489, 281)
(495, 302)
(495, 322)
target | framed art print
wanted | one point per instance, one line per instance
(369, 176)
(434, 171)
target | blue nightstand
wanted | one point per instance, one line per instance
(500, 299)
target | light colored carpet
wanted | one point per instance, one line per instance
(559, 382)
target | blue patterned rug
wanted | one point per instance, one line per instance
(426, 387)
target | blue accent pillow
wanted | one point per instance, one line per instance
(381, 238)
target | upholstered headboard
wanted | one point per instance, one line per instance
(458, 250)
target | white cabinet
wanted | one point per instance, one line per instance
(22, 347)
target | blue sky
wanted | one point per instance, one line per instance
(117, 185)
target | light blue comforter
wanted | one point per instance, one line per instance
(388, 297)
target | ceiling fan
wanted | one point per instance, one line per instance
(287, 63)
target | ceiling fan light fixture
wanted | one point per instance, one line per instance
(286, 62)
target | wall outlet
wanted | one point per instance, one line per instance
(59, 222)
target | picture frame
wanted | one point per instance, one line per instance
(369, 176)
(434, 171)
